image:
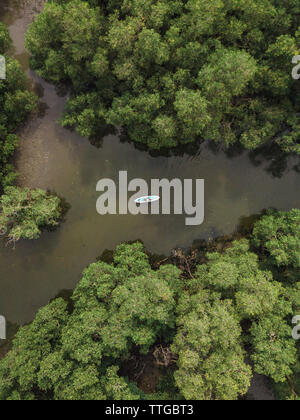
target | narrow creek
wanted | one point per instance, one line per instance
(60, 160)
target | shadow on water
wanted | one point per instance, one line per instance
(246, 223)
(277, 161)
(270, 156)
(189, 149)
(102, 132)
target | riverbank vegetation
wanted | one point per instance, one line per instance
(23, 212)
(197, 325)
(174, 72)
(16, 103)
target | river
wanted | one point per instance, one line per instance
(60, 160)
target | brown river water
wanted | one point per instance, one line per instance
(60, 160)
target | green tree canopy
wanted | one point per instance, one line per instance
(5, 40)
(16, 102)
(175, 72)
(228, 309)
(278, 234)
(24, 212)
(77, 356)
(208, 343)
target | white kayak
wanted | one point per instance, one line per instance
(147, 199)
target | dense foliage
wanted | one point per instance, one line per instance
(173, 72)
(278, 234)
(23, 212)
(16, 102)
(228, 310)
